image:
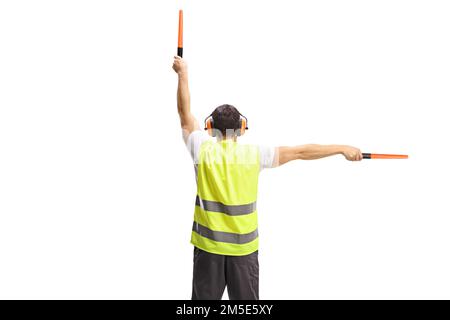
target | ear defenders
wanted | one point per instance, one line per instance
(209, 125)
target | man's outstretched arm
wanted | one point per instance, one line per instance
(187, 120)
(315, 151)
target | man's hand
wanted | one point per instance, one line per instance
(179, 65)
(351, 153)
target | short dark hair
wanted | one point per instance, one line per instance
(226, 117)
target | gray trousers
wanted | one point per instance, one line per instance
(214, 272)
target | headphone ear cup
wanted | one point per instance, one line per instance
(243, 126)
(209, 127)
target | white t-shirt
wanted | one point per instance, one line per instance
(196, 138)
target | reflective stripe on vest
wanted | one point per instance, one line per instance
(224, 236)
(225, 220)
(233, 210)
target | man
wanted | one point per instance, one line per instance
(225, 231)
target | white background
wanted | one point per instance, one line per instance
(97, 188)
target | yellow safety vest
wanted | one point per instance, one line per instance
(225, 218)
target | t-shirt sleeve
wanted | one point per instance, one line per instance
(193, 143)
(267, 157)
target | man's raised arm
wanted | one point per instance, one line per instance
(315, 151)
(187, 120)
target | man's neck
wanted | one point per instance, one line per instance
(227, 139)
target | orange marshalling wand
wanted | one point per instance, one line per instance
(384, 156)
(180, 34)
